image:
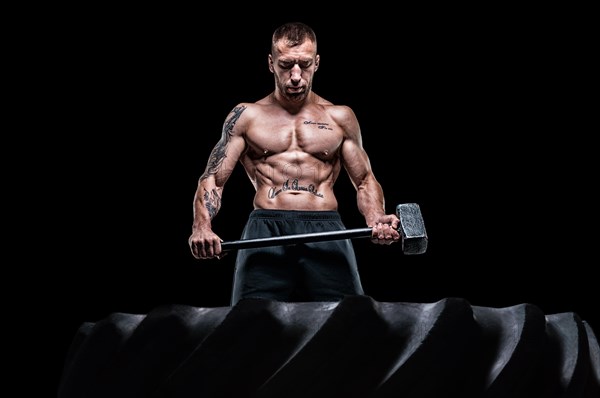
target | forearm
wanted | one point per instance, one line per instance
(207, 203)
(203, 241)
(370, 200)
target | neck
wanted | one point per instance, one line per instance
(291, 103)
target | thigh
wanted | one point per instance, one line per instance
(263, 273)
(330, 271)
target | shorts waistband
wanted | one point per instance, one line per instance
(295, 214)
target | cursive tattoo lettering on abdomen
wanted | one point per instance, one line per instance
(293, 186)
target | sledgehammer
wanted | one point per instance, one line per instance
(411, 229)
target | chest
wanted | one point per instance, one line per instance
(311, 134)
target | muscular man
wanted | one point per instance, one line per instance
(292, 144)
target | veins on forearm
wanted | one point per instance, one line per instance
(212, 202)
(218, 154)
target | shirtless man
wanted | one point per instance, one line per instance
(292, 145)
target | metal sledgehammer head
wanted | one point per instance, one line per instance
(412, 228)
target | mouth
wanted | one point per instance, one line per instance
(295, 90)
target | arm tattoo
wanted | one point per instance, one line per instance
(212, 201)
(218, 153)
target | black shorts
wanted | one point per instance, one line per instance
(316, 271)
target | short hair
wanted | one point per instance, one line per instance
(294, 34)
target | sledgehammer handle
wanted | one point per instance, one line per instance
(298, 238)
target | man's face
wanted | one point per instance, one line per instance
(294, 68)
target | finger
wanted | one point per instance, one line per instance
(197, 251)
(202, 250)
(193, 247)
(210, 252)
(217, 247)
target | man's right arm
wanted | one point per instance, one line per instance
(204, 243)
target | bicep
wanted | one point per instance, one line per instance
(224, 158)
(354, 157)
(355, 161)
(226, 153)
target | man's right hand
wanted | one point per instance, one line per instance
(205, 244)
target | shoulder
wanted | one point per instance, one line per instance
(340, 113)
(243, 115)
(240, 108)
(345, 117)
(236, 121)
(241, 112)
(246, 109)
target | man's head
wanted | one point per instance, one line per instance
(294, 60)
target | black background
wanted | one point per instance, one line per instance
(473, 115)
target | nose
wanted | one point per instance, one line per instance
(296, 74)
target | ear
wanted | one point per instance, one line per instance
(271, 64)
(317, 61)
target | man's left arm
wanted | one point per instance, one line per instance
(370, 196)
